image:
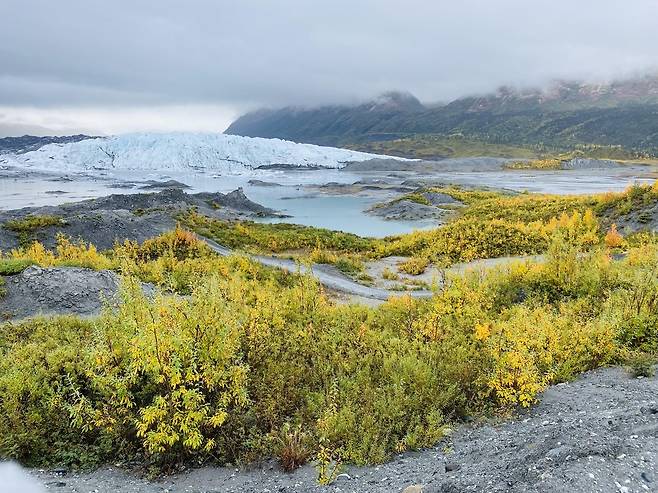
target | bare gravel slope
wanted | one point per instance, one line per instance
(59, 291)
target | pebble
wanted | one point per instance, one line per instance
(414, 488)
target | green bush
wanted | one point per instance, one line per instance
(277, 237)
(640, 364)
(9, 267)
(30, 224)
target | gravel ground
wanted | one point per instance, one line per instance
(408, 210)
(138, 216)
(58, 290)
(596, 434)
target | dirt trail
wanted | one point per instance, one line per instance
(327, 278)
(596, 434)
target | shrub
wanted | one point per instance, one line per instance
(319, 256)
(550, 164)
(40, 360)
(293, 448)
(66, 254)
(28, 225)
(276, 237)
(467, 239)
(31, 223)
(414, 266)
(179, 243)
(349, 265)
(255, 363)
(640, 364)
(612, 238)
(9, 266)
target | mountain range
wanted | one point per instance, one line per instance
(563, 116)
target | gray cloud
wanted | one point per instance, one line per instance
(113, 57)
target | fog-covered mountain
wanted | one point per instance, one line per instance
(623, 113)
(180, 151)
(330, 125)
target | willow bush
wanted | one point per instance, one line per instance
(224, 373)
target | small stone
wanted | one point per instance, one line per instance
(414, 488)
(451, 466)
(646, 478)
(56, 484)
(343, 476)
(557, 452)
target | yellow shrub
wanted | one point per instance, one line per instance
(320, 256)
(612, 238)
(36, 253)
(219, 374)
(66, 253)
(180, 243)
(81, 255)
(535, 347)
(414, 266)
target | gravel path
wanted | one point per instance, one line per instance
(327, 277)
(596, 434)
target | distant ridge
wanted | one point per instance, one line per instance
(28, 143)
(328, 125)
(566, 114)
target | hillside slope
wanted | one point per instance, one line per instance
(564, 116)
(330, 125)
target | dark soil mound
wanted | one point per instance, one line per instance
(118, 217)
(65, 290)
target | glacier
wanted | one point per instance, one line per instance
(223, 153)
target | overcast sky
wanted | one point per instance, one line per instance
(101, 66)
